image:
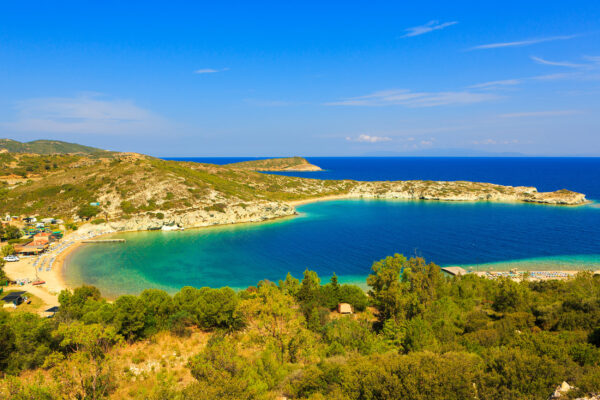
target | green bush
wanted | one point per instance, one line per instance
(87, 211)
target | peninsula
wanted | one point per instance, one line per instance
(130, 191)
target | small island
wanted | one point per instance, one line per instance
(277, 164)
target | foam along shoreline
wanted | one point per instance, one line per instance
(55, 277)
(96, 231)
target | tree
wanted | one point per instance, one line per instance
(158, 307)
(386, 288)
(218, 308)
(12, 232)
(311, 284)
(220, 371)
(275, 319)
(8, 250)
(130, 317)
(3, 278)
(73, 305)
(88, 374)
(7, 344)
(87, 211)
(353, 295)
(290, 285)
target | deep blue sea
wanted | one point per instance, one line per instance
(346, 236)
(580, 174)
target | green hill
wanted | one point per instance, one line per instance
(47, 147)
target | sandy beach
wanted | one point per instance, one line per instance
(25, 271)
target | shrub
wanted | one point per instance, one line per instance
(86, 211)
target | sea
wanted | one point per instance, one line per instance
(345, 237)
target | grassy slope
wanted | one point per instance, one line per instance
(131, 183)
(128, 183)
(47, 147)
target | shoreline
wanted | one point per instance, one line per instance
(56, 281)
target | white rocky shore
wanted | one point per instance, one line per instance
(258, 212)
(401, 190)
(463, 191)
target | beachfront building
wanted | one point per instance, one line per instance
(43, 237)
(31, 249)
(14, 299)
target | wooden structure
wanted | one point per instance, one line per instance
(344, 308)
(456, 271)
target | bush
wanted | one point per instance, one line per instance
(98, 221)
(355, 296)
(87, 211)
(127, 207)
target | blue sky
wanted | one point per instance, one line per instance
(304, 78)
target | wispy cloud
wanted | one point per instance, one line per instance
(505, 82)
(521, 42)
(414, 99)
(85, 114)
(594, 59)
(567, 64)
(209, 70)
(494, 141)
(266, 103)
(554, 77)
(552, 113)
(428, 27)
(369, 139)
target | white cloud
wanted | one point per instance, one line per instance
(521, 42)
(553, 113)
(369, 139)
(428, 27)
(414, 99)
(85, 114)
(554, 77)
(209, 70)
(488, 142)
(594, 59)
(505, 82)
(540, 60)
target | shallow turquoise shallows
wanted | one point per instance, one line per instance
(345, 237)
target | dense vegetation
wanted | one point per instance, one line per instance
(418, 335)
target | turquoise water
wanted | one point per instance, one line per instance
(344, 237)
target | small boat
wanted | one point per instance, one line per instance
(171, 228)
(38, 282)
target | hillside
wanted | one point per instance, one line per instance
(138, 192)
(277, 164)
(47, 147)
(417, 335)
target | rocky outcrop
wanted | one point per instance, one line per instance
(462, 191)
(258, 212)
(277, 164)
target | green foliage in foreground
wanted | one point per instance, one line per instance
(425, 336)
